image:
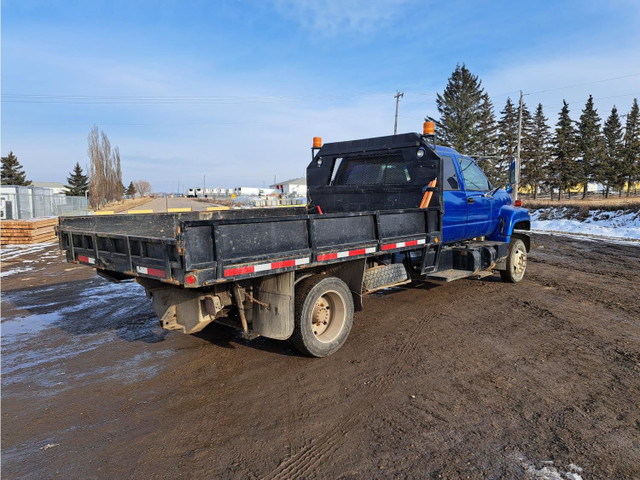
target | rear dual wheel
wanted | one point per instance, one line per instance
(324, 315)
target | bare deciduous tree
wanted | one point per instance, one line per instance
(106, 171)
(143, 187)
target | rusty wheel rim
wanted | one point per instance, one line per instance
(519, 261)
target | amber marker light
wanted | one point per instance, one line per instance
(429, 128)
(317, 142)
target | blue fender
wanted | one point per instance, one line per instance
(508, 217)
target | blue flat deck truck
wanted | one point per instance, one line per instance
(381, 212)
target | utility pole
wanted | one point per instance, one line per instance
(517, 172)
(397, 96)
(204, 185)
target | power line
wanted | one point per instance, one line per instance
(127, 124)
(172, 99)
(140, 100)
(583, 84)
(596, 98)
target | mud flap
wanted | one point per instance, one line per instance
(180, 309)
(276, 319)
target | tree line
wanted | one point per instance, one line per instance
(102, 185)
(562, 159)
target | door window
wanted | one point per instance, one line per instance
(449, 173)
(474, 178)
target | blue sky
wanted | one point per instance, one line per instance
(235, 90)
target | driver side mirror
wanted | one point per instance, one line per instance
(512, 174)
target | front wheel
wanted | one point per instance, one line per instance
(324, 315)
(516, 262)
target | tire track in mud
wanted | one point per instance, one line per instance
(293, 415)
(604, 298)
(299, 464)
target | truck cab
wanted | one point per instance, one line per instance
(394, 172)
(473, 207)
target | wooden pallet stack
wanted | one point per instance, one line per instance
(19, 232)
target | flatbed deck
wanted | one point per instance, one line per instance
(203, 248)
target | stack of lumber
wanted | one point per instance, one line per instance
(18, 232)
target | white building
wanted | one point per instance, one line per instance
(35, 202)
(254, 191)
(295, 187)
(55, 187)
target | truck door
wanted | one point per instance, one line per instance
(479, 207)
(455, 203)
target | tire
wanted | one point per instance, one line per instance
(516, 262)
(324, 315)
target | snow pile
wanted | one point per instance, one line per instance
(547, 470)
(622, 224)
(9, 252)
(13, 271)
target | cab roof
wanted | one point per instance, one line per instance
(380, 143)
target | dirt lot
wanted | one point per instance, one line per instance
(474, 379)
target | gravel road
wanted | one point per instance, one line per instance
(473, 379)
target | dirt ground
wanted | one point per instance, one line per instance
(473, 379)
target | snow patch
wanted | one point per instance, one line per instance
(14, 251)
(547, 470)
(620, 224)
(13, 271)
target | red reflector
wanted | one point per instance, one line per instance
(360, 251)
(327, 256)
(190, 279)
(89, 260)
(518, 203)
(283, 264)
(238, 271)
(156, 273)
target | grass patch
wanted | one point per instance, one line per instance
(124, 205)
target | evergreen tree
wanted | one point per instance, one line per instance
(526, 139)
(77, 182)
(591, 145)
(487, 147)
(507, 138)
(131, 190)
(537, 152)
(508, 129)
(565, 170)
(610, 173)
(12, 172)
(460, 107)
(631, 166)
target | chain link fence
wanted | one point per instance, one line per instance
(36, 202)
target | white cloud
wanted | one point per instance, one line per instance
(345, 16)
